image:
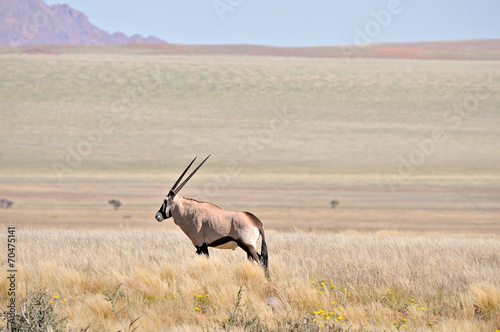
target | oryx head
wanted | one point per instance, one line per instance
(165, 210)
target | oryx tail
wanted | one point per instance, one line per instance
(264, 260)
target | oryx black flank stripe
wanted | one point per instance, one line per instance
(221, 241)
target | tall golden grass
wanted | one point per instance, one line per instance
(363, 281)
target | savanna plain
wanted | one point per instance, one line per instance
(377, 181)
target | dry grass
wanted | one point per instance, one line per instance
(380, 281)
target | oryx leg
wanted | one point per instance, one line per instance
(202, 249)
(250, 250)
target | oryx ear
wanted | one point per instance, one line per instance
(171, 194)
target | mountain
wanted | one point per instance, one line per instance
(33, 22)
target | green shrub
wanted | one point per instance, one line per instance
(35, 312)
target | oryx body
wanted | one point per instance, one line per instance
(207, 225)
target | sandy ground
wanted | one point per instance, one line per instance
(420, 209)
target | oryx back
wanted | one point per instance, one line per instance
(205, 223)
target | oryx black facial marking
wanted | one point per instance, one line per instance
(164, 212)
(207, 225)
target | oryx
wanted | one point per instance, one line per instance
(207, 225)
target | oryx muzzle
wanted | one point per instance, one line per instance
(207, 225)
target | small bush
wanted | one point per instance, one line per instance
(5, 203)
(35, 312)
(126, 321)
(241, 319)
(116, 203)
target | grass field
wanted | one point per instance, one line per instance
(408, 148)
(380, 281)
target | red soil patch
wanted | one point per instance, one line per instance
(40, 50)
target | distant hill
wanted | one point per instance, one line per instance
(33, 22)
(444, 50)
(61, 29)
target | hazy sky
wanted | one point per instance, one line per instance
(295, 23)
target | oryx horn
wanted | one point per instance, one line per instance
(180, 177)
(189, 177)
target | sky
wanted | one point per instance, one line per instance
(293, 22)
